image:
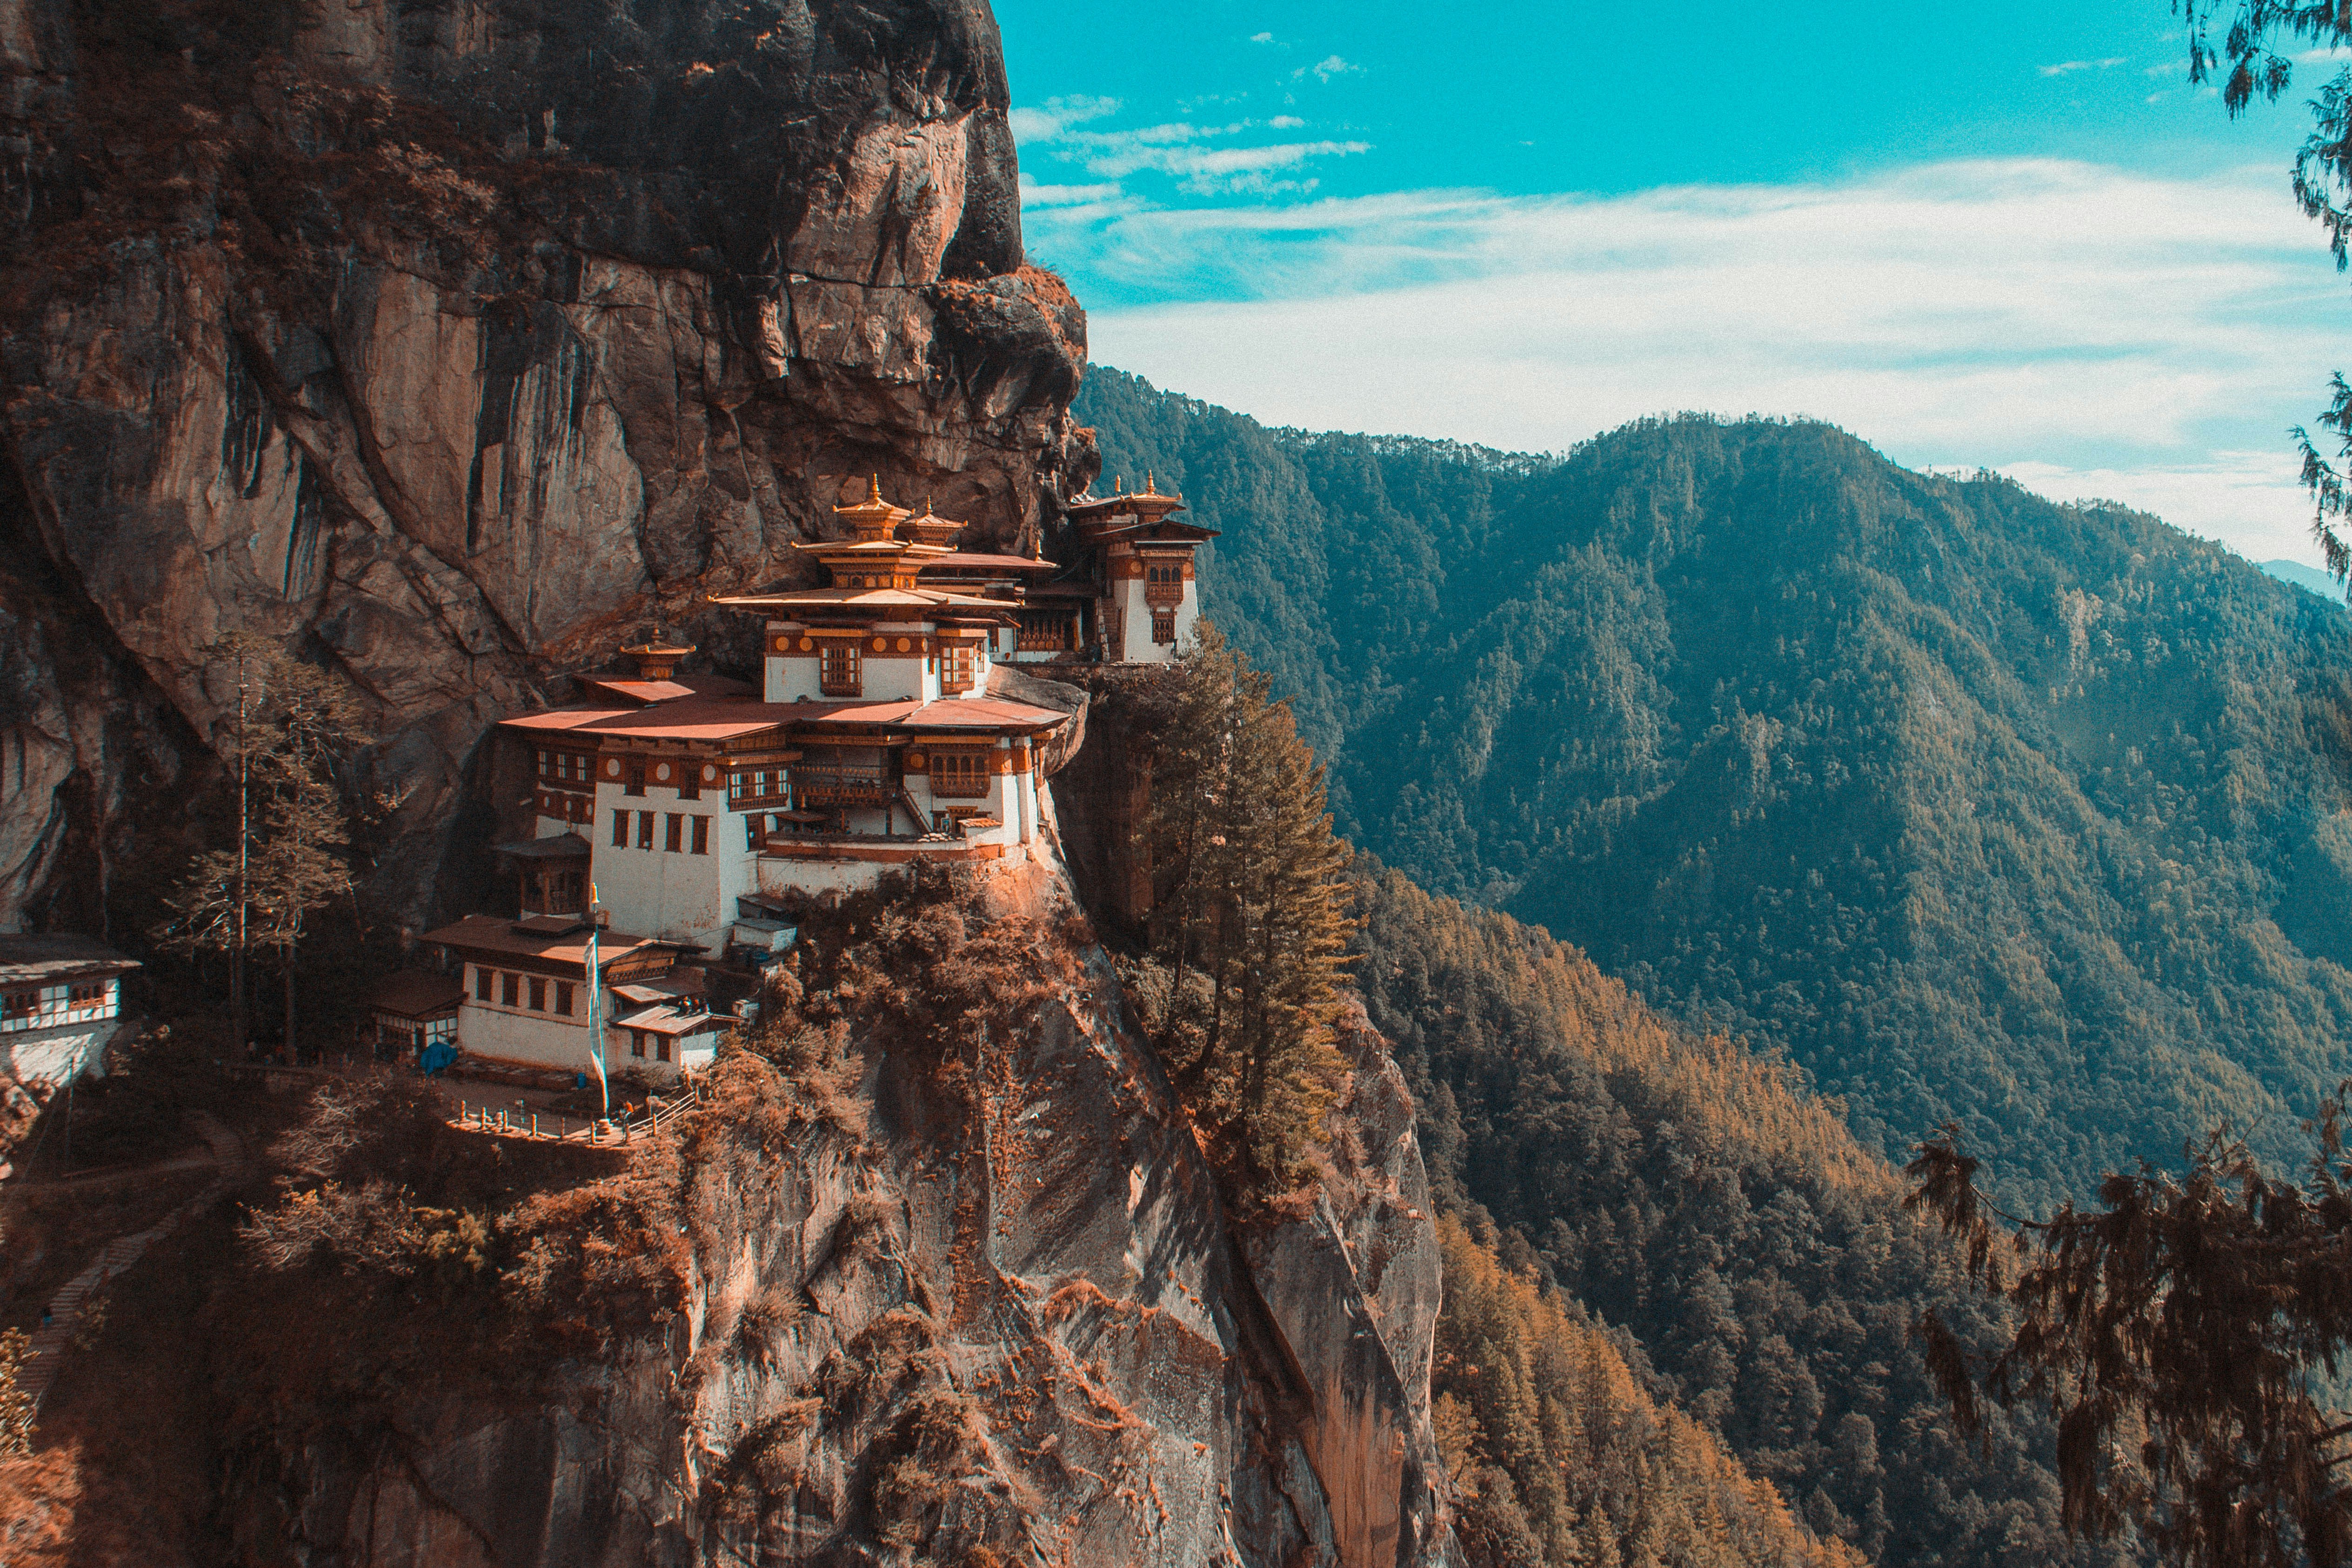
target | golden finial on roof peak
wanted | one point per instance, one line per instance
(1150, 485)
(874, 488)
(1119, 484)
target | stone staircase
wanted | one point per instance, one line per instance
(45, 1354)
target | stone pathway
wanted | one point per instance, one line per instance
(47, 1353)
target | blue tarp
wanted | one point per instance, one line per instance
(436, 1057)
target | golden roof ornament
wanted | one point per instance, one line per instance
(874, 517)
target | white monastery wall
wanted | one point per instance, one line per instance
(53, 1055)
(517, 1034)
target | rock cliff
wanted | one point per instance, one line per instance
(956, 1287)
(452, 345)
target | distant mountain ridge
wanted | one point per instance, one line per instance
(2305, 576)
(1986, 808)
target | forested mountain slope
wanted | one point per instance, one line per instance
(2025, 815)
(1692, 1196)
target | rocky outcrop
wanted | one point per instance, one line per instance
(991, 1314)
(453, 345)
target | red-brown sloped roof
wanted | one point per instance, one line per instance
(688, 718)
(489, 934)
(415, 993)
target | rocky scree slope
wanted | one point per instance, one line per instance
(454, 345)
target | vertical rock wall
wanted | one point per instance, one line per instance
(1000, 1311)
(454, 345)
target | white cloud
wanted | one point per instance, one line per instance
(2089, 330)
(1326, 68)
(1033, 194)
(2253, 500)
(1261, 38)
(2068, 68)
(1179, 149)
(1209, 164)
(1053, 121)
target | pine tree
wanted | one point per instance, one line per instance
(295, 726)
(1250, 919)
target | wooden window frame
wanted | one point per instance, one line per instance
(20, 1004)
(702, 835)
(962, 774)
(959, 666)
(840, 670)
(661, 1048)
(483, 975)
(632, 779)
(645, 830)
(637, 1043)
(563, 998)
(538, 994)
(620, 830)
(509, 989)
(674, 834)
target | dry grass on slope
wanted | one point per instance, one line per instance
(1558, 1457)
(1491, 979)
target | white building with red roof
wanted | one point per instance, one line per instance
(693, 806)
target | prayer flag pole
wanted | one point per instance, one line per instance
(596, 998)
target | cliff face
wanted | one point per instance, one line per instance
(454, 345)
(973, 1308)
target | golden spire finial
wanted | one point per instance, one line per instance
(1150, 486)
(874, 489)
(1119, 484)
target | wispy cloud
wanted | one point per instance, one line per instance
(2068, 68)
(1204, 160)
(1326, 68)
(1052, 120)
(1033, 194)
(2094, 331)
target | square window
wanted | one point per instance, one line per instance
(481, 984)
(620, 830)
(563, 998)
(538, 995)
(510, 990)
(956, 667)
(702, 835)
(645, 830)
(674, 840)
(1163, 625)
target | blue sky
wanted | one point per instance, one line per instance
(2013, 236)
